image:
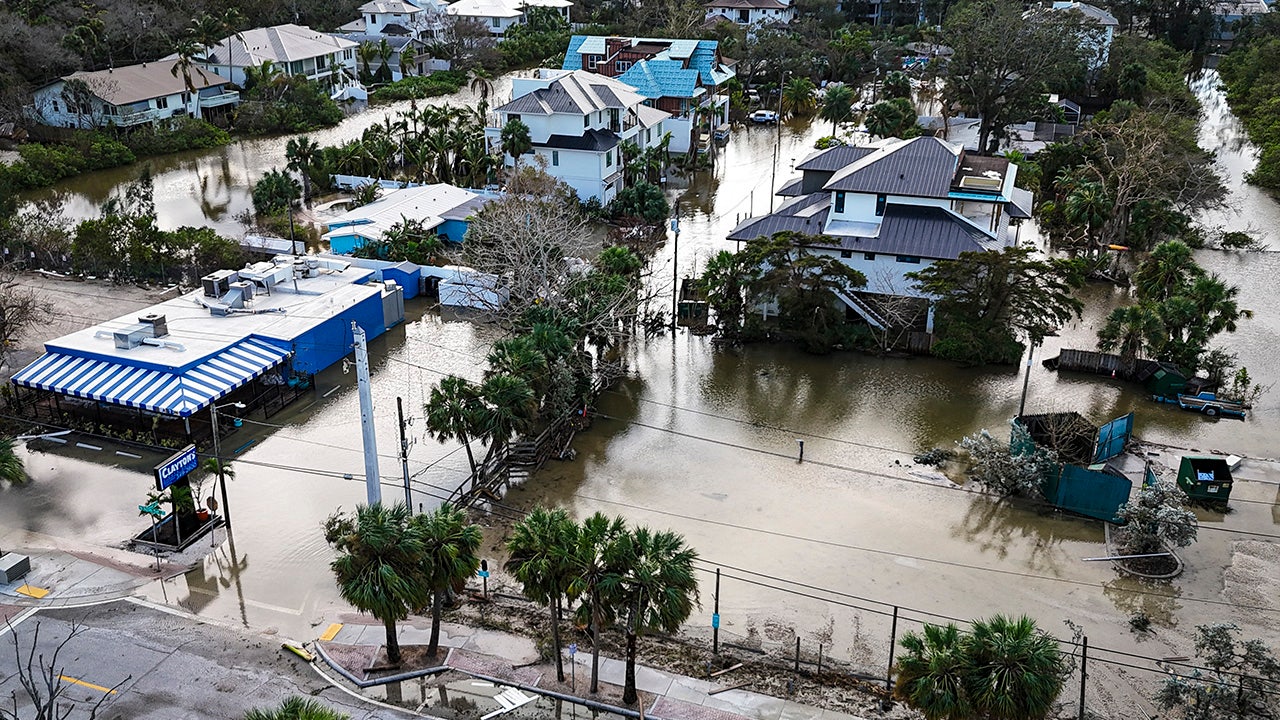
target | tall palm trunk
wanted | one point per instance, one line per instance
(629, 695)
(555, 636)
(393, 642)
(437, 606)
(471, 458)
(595, 645)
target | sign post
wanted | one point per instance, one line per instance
(484, 577)
(153, 510)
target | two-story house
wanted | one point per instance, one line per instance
(683, 77)
(1101, 30)
(751, 13)
(385, 17)
(895, 207)
(130, 96)
(577, 123)
(293, 50)
(498, 15)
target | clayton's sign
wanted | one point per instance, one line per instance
(176, 467)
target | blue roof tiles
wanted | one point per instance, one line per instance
(661, 78)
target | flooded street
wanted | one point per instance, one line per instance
(704, 441)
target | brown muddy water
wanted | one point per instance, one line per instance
(703, 440)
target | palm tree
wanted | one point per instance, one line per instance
(518, 357)
(481, 84)
(385, 51)
(798, 98)
(381, 568)
(516, 140)
(1014, 670)
(454, 412)
(206, 30)
(187, 51)
(11, 469)
(592, 576)
(297, 708)
(510, 408)
(931, 673)
(656, 589)
(1088, 206)
(274, 193)
(1130, 330)
(539, 557)
(449, 559)
(302, 153)
(407, 57)
(365, 53)
(837, 105)
(1165, 272)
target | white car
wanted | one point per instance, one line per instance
(764, 117)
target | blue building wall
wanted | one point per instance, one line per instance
(330, 341)
(452, 230)
(406, 275)
(345, 244)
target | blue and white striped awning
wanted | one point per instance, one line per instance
(181, 394)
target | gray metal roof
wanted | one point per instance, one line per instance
(918, 231)
(922, 167)
(1021, 205)
(795, 188)
(594, 140)
(578, 92)
(807, 214)
(834, 158)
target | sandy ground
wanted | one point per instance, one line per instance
(74, 305)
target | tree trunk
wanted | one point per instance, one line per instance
(437, 606)
(629, 695)
(393, 643)
(555, 636)
(471, 458)
(595, 646)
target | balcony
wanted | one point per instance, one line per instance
(136, 117)
(225, 98)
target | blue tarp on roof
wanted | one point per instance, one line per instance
(171, 393)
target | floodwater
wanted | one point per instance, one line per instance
(704, 441)
(212, 187)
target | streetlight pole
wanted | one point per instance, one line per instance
(217, 456)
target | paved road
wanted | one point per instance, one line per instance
(166, 667)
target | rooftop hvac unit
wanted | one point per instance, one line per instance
(216, 284)
(246, 289)
(159, 325)
(131, 336)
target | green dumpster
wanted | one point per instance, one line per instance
(1205, 477)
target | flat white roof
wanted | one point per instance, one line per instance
(432, 204)
(202, 334)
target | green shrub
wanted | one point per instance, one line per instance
(417, 87)
(287, 105)
(183, 134)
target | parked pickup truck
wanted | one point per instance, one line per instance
(1206, 403)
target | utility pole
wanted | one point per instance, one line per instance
(715, 619)
(1026, 380)
(675, 268)
(777, 145)
(373, 489)
(404, 454)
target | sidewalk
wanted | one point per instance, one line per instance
(515, 659)
(67, 573)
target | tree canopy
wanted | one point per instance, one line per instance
(987, 302)
(1006, 60)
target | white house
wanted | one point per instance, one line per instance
(1103, 30)
(441, 208)
(1229, 14)
(894, 207)
(684, 77)
(577, 121)
(498, 15)
(751, 13)
(292, 49)
(129, 96)
(385, 17)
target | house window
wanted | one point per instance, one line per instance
(347, 54)
(322, 62)
(55, 106)
(162, 103)
(608, 159)
(881, 199)
(586, 121)
(846, 254)
(622, 65)
(840, 201)
(494, 22)
(868, 256)
(513, 117)
(592, 61)
(555, 158)
(909, 259)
